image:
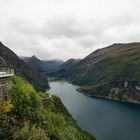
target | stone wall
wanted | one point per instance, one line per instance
(5, 83)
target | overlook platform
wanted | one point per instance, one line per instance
(6, 72)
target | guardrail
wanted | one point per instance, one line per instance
(6, 72)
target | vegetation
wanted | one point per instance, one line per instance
(114, 64)
(112, 91)
(10, 59)
(28, 115)
(118, 62)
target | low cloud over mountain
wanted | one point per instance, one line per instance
(47, 28)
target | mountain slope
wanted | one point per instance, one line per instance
(2, 62)
(35, 63)
(41, 66)
(118, 62)
(52, 65)
(111, 66)
(69, 63)
(63, 69)
(26, 114)
(7, 57)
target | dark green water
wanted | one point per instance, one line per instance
(105, 119)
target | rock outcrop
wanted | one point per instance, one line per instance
(5, 84)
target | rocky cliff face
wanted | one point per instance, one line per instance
(121, 90)
(5, 84)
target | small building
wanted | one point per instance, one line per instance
(6, 72)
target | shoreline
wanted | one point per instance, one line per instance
(108, 98)
(98, 96)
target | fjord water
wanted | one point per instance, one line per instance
(105, 119)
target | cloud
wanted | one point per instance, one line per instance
(61, 26)
(66, 29)
(70, 27)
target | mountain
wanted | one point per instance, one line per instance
(29, 114)
(52, 65)
(24, 58)
(112, 72)
(63, 69)
(35, 63)
(41, 66)
(2, 62)
(9, 58)
(69, 63)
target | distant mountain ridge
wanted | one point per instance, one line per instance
(63, 69)
(9, 58)
(69, 63)
(43, 67)
(102, 62)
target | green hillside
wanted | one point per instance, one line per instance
(28, 115)
(112, 66)
(63, 70)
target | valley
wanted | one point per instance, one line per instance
(69, 70)
(109, 73)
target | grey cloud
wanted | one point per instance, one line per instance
(87, 40)
(70, 27)
(80, 31)
(84, 34)
(24, 27)
(61, 26)
(67, 35)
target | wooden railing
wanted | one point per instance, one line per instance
(6, 72)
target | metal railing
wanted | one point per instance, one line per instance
(6, 72)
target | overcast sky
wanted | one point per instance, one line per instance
(63, 29)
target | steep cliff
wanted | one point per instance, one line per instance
(9, 58)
